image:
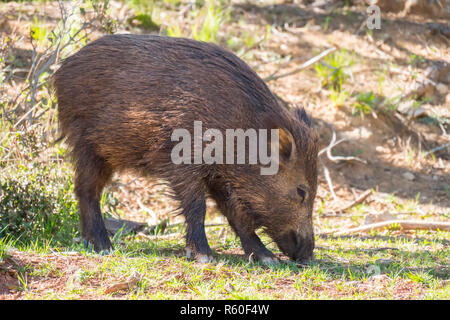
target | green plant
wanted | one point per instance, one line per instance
(326, 23)
(447, 189)
(5, 243)
(338, 97)
(143, 18)
(38, 31)
(333, 69)
(208, 21)
(33, 207)
(391, 103)
(381, 78)
(144, 21)
(365, 101)
(415, 59)
(322, 205)
(205, 25)
(36, 198)
(174, 31)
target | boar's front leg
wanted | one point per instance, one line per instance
(253, 247)
(241, 223)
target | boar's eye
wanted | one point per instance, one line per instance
(301, 191)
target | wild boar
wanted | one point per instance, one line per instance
(120, 99)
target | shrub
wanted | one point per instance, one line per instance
(36, 194)
(36, 206)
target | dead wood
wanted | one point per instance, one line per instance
(403, 224)
(114, 225)
(304, 65)
(363, 196)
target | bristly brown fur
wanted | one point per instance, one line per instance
(121, 97)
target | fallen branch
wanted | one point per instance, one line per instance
(305, 65)
(113, 225)
(326, 173)
(334, 143)
(358, 249)
(403, 224)
(327, 149)
(357, 201)
(437, 28)
(437, 149)
(412, 75)
(170, 236)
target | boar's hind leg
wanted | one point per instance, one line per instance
(92, 173)
(194, 210)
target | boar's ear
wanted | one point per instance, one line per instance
(300, 114)
(286, 144)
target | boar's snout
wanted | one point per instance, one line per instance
(297, 246)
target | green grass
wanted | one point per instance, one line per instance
(5, 244)
(343, 269)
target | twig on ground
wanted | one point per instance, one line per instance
(305, 65)
(336, 214)
(169, 236)
(326, 173)
(363, 196)
(403, 224)
(376, 249)
(358, 249)
(327, 149)
(419, 77)
(437, 149)
(114, 225)
(361, 25)
(334, 143)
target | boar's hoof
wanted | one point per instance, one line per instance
(89, 246)
(202, 258)
(268, 261)
(264, 259)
